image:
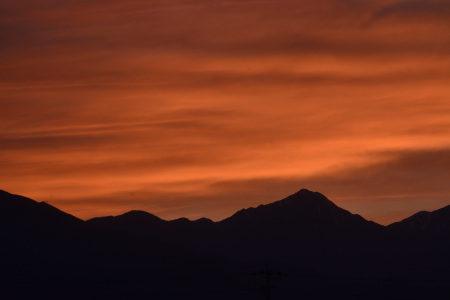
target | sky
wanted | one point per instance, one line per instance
(192, 108)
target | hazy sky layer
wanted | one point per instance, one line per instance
(200, 108)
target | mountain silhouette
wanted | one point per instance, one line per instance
(424, 223)
(53, 254)
(305, 213)
(422, 243)
(326, 251)
(305, 229)
(14, 209)
(145, 224)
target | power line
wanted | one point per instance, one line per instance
(269, 275)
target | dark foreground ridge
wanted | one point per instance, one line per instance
(314, 250)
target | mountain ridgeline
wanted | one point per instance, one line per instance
(138, 254)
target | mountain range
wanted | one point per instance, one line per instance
(324, 250)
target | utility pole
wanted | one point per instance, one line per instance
(269, 274)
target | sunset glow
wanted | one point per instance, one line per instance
(198, 109)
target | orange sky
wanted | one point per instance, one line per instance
(200, 108)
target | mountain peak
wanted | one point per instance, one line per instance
(304, 209)
(24, 213)
(139, 215)
(204, 221)
(306, 196)
(425, 222)
(8, 200)
(136, 213)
